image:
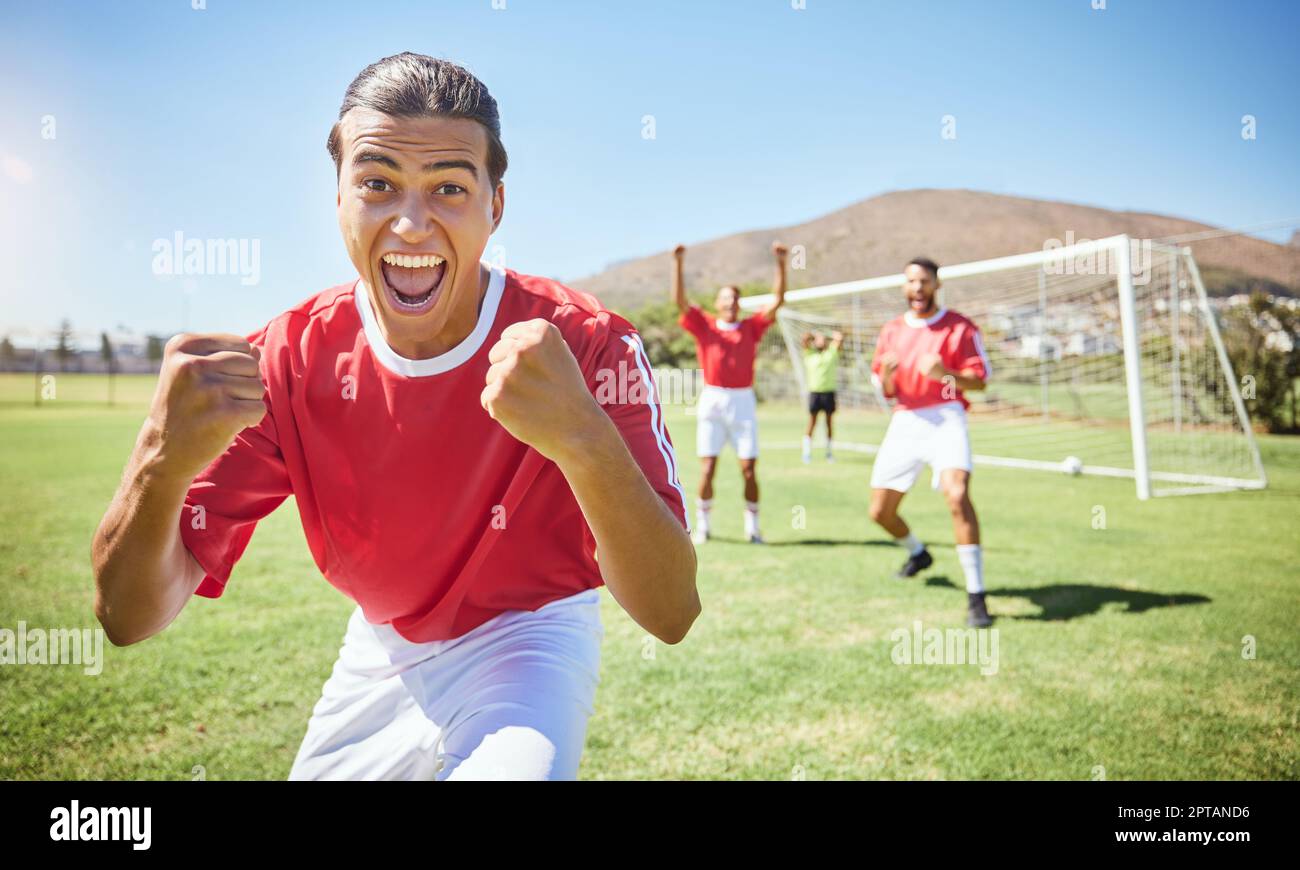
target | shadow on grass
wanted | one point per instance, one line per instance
(812, 542)
(1071, 600)
(823, 541)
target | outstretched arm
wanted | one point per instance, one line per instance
(837, 341)
(779, 252)
(679, 286)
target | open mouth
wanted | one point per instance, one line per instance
(412, 282)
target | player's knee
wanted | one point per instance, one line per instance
(513, 752)
(956, 496)
(880, 513)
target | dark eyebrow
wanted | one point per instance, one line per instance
(376, 157)
(451, 164)
(437, 165)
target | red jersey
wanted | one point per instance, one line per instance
(954, 338)
(726, 350)
(415, 503)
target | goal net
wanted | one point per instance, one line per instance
(1104, 354)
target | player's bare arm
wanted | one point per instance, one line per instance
(888, 366)
(837, 340)
(966, 380)
(679, 284)
(209, 390)
(536, 391)
(779, 253)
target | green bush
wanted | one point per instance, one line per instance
(1266, 369)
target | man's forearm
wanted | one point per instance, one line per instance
(967, 383)
(778, 289)
(143, 573)
(645, 556)
(679, 288)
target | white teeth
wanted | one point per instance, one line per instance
(413, 262)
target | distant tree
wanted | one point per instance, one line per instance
(1263, 342)
(154, 348)
(110, 361)
(7, 353)
(63, 349)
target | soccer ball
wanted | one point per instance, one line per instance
(1072, 465)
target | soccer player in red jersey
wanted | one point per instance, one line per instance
(926, 359)
(726, 413)
(458, 472)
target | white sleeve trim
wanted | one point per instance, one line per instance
(656, 421)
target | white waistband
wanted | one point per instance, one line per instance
(728, 389)
(933, 409)
(587, 601)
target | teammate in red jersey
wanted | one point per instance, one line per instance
(926, 359)
(437, 421)
(726, 346)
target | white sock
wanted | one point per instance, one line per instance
(910, 543)
(807, 446)
(828, 447)
(702, 508)
(972, 562)
(751, 518)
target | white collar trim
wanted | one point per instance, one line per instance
(445, 362)
(912, 320)
(725, 326)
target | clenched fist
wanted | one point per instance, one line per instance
(209, 390)
(536, 390)
(931, 365)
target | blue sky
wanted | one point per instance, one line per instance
(212, 123)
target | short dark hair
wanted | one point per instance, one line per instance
(410, 85)
(925, 263)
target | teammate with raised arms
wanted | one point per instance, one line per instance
(726, 413)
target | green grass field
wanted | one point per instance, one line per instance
(1120, 649)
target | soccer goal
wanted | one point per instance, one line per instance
(1106, 359)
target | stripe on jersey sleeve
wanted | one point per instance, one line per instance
(656, 420)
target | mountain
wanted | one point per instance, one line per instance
(878, 235)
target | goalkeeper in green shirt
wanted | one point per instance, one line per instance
(820, 360)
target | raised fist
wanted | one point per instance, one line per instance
(209, 390)
(535, 389)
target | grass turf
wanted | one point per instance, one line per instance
(1120, 649)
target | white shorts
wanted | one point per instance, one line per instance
(727, 416)
(509, 699)
(936, 436)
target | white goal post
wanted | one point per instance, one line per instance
(1105, 354)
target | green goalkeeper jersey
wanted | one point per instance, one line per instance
(819, 366)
